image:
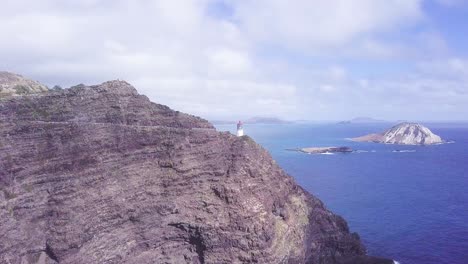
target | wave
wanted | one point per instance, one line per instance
(396, 262)
(404, 151)
(364, 151)
(327, 153)
(361, 151)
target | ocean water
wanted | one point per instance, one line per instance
(408, 203)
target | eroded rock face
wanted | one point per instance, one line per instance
(102, 175)
(404, 134)
(15, 84)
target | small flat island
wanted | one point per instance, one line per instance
(323, 150)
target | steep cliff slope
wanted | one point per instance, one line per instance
(15, 84)
(404, 134)
(100, 174)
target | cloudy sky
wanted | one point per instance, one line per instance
(231, 59)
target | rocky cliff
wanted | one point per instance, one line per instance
(404, 134)
(100, 174)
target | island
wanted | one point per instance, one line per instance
(323, 150)
(403, 134)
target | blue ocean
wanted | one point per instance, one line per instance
(408, 203)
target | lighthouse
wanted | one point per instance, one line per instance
(240, 129)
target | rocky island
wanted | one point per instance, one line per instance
(100, 174)
(404, 134)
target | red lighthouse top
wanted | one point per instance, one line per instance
(239, 125)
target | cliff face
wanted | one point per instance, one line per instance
(102, 175)
(404, 134)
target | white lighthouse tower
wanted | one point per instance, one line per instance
(240, 129)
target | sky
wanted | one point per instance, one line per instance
(234, 59)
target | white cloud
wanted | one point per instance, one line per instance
(321, 23)
(327, 88)
(223, 98)
(452, 68)
(451, 3)
(266, 57)
(230, 61)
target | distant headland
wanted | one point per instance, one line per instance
(254, 120)
(361, 120)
